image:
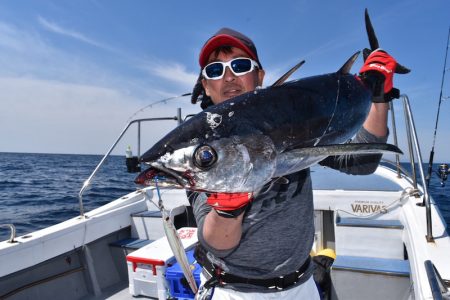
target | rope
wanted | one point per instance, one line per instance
(404, 196)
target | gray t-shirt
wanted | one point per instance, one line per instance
(278, 226)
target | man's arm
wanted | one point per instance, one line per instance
(222, 233)
(378, 73)
(219, 219)
(376, 122)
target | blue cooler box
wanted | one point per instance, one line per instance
(177, 283)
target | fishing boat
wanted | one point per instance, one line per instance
(388, 235)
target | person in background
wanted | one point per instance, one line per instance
(258, 246)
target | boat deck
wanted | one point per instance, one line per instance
(119, 291)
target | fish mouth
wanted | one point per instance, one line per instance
(159, 176)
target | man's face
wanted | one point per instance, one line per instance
(231, 85)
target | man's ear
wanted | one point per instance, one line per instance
(261, 74)
(205, 87)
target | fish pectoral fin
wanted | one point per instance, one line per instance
(342, 149)
(293, 160)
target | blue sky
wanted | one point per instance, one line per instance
(73, 72)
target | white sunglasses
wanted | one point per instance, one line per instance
(239, 66)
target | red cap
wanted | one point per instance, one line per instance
(227, 37)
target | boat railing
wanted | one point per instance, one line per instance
(414, 153)
(88, 181)
(438, 286)
(13, 231)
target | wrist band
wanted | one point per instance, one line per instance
(230, 213)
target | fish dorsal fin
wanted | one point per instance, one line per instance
(345, 69)
(286, 75)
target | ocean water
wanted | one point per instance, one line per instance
(39, 190)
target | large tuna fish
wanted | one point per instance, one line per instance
(244, 142)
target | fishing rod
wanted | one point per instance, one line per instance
(165, 100)
(430, 163)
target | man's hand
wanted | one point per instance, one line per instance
(378, 72)
(229, 205)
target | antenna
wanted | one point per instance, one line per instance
(430, 163)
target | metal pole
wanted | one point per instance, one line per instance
(394, 129)
(438, 287)
(87, 182)
(410, 148)
(426, 198)
(13, 232)
(139, 140)
(180, 120)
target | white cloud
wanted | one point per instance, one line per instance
(169, 71)
(173, 72)
(28, 53)
(43, 115)
(53, 27)
(18, 43)
(57, 117)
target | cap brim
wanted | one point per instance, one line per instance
(222, 40)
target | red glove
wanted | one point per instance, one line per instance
(378, 72)
(385, 64)
(229, 205)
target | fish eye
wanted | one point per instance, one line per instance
(204, 157)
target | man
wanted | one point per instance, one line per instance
(258, 247)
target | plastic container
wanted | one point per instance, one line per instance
(147, 266)
(178, 285)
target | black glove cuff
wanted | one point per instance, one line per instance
(229, 214)
(393, 94)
